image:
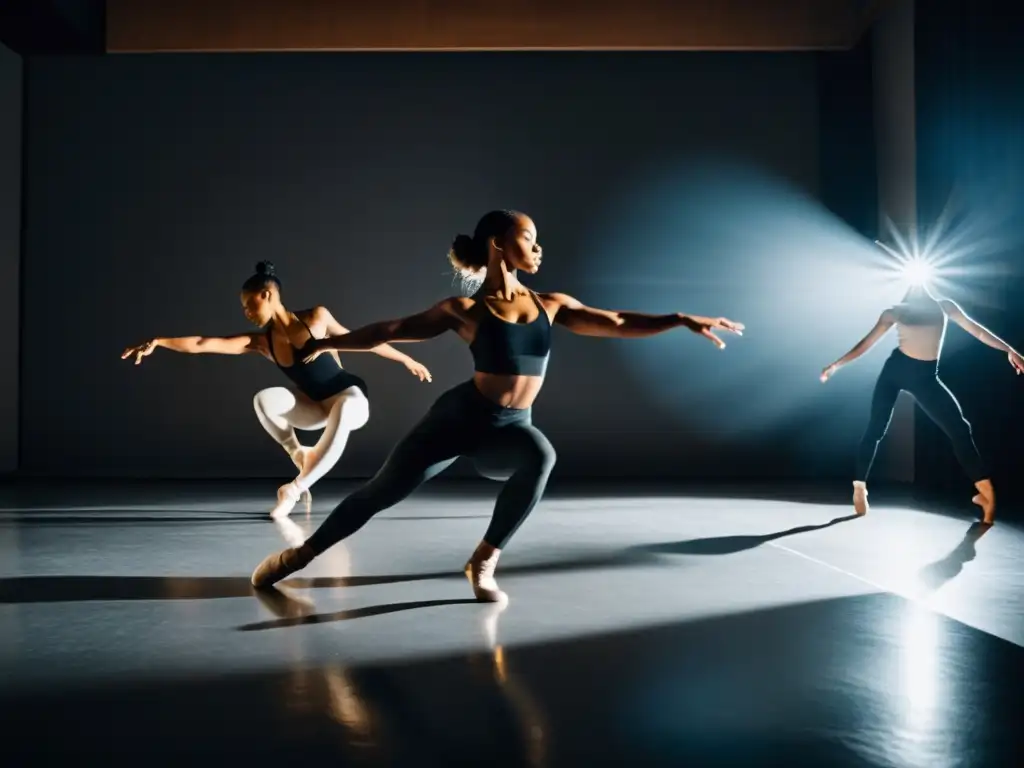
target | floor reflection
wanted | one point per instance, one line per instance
(920, 674)
(329, 690)
(515, 691)
(640, 632)
(336, 690)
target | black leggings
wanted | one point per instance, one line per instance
(921, 379)
(461, 423)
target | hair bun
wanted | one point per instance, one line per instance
(265, 268)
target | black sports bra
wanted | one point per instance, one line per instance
(516, 349)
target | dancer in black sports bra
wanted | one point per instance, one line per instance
(488, 418)
(325, 395)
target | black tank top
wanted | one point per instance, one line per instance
(320, 379)
(512, 349)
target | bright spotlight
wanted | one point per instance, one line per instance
(917, 272)
(913, 270)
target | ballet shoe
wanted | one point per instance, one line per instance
(480, 572)
(281, 565)
(860, 497)
(288, 496)
(986, 499)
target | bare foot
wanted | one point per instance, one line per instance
(860, 498)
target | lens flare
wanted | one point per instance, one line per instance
(912, 270)
(917, 273)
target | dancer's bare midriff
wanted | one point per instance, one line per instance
(509, 391)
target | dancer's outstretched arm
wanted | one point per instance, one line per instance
(334, 328)
(885, 321)
(199, 345)
(441, 317)
(981, 333)
(588, 321)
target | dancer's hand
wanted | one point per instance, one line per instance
(140, 351)
(312, 349)
(418, 370)
(704, 325)
(1016, 362)
(827, 372)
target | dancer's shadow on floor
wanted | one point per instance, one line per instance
(630, 556)
(293, 611)
(38, 520)
(729, 545)
(46, 589)
(935, 575)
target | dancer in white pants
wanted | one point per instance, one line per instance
(323, 396)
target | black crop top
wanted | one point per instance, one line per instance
(515, 349)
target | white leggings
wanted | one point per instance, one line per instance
(281, 411)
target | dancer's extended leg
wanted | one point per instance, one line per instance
(427, 450)
(522, 451)
(941, 406)
(883, 400)
(460, 423)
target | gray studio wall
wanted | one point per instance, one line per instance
(156, 182)
(10, 249)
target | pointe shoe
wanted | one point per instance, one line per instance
(281, 565)
(986, 499)
(287, 497)
(860, 497)
(480, 572)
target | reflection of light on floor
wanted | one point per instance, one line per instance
(344, 704)
(530, 716)
(290, 531)
(348, 708)
(915, 731)
(924, 738)
(336, 559)
(919, 668)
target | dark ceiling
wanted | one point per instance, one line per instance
(113, 26)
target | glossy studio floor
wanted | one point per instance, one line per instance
(645, 627)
